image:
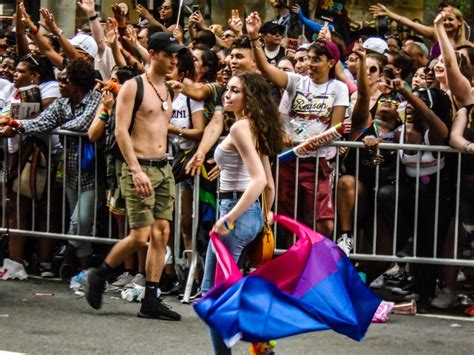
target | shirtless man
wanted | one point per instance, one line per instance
(147, 180)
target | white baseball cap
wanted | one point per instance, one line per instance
(376, 44)
(85, 43)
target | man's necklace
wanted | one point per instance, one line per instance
(164, 103)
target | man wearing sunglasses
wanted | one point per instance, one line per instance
(272, 34)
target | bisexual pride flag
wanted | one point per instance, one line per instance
(312, 286)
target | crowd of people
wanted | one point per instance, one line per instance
(226, 99)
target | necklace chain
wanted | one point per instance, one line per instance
(156, 91)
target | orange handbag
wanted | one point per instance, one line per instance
(261, 249)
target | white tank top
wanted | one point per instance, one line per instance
(428, 163)
(234, 174)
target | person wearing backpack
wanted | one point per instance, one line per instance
(147, 181)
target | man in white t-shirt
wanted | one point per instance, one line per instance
(316, 102)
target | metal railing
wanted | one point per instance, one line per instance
(100, 235)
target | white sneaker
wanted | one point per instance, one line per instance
(137, 280)
(123, 280)
(445, 299)
(168, 256)
(12, 270)
(345, 243)
(378, 283)
(461, 276)
(395, 269)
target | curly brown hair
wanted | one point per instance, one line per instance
(263, 111)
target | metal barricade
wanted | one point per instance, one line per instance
(98, 235)
(438, 152)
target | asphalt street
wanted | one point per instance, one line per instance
(64, 324)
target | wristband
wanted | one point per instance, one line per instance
(104, 116)
(14, 123)
(227, 226)
(33, 32)
(466, 145)
(92, 18)
(400, 18)
(254, 39)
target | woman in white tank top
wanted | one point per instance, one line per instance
(245, 170)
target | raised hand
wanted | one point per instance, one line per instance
(131, 36)
(25, 17)
(119, 15)
(87, 6)
(295, 8)
(440, 18)
(235, 22)
(143, 11)
(379, 10)
(50, 22)
(112, 31)
(253, 24)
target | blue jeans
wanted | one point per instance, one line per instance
(81, 222)
(247, 226)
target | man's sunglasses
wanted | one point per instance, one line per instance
(390, 101)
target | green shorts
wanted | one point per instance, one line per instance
(143, 211)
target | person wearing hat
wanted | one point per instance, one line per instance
(317, 102)
(272, 34)
(147, 181)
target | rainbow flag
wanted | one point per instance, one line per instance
(311, 287)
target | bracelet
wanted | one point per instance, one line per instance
(59, 33)
(400, 18)
(466, 145)
(104, 116)
(180, 132)
(92, 18)
(254, 39)
(229, 228)
(35, 31)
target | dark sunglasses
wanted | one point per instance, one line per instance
(390, 101)
(428, 71)
(228, 35)
(275, 32)
(373, 69)
(3, 46)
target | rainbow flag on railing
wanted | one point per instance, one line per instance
(311, 287)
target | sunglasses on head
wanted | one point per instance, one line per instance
(390, 101)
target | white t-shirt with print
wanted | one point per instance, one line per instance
(310, 107)
(181, 118)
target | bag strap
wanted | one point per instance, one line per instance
(138, 101)
(264, 201)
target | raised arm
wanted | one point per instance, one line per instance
(313, 26)
(98, 125)
(360, 113)
(50, 23)
(458, 84)
(196, 91)
(438, 131)
(143, 12)
(271, 72)
(457, 140)
(88, 7)
(21, 38)
(425, 31)
(131, 38)
(56, 59)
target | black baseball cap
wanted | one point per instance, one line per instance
(162, 41)
(270, 26)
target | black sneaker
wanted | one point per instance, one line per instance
(195, 292)
(157, 309)
(46, 271)
(169, 285)
(95, 288)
